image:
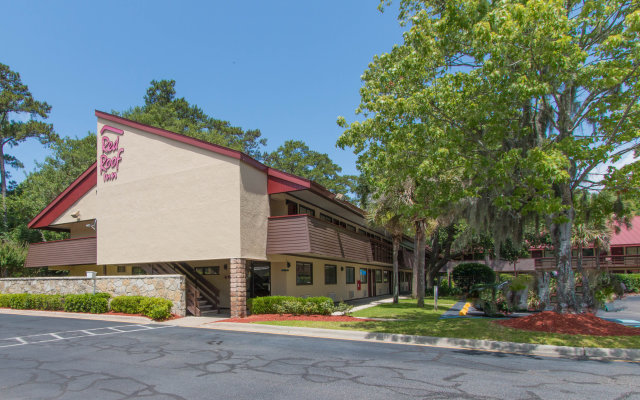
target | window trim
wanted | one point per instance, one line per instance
(378, 274)
(335, 274)
(302, 264)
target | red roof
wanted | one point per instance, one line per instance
(628, 237)
(277, 181)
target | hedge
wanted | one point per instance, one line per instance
(153, 307)
(291, 305)
(631, 282)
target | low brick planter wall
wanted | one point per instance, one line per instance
(170, 287)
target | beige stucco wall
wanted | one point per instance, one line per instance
(170, 202)
(254, 212)
(284, 282)
(86, 205)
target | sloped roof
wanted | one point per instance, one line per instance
(277, 181)
(628, 237)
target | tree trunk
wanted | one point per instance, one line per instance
(544, 278)
(561, 235)
(3, 184)
(432, 269)
(414, 275)
(587, 301)
(420, 254)
(396, 284)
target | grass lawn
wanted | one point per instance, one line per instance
(426, 322)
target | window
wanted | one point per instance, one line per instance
(536, 253)
(325, 217)
(292, 208)
(330, 275)
(121, 269)
(137, 271)
(385, 276)
(351, 228)
(306, 210)
(351, 275)
(342, 224)
(363, 276)
(304, 273)
(378, 276)
(215, 270)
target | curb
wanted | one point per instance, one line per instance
(528, 349)
(492, 346)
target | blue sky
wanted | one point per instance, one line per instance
(287, 68)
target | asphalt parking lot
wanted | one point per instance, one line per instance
(60, 358)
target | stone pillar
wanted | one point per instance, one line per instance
(238, 293)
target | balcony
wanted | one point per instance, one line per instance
(607, 262)
(80, 251)
(305, 235)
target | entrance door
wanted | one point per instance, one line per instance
(371, 282)
(259, 282)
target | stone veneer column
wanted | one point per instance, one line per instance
(238, 291)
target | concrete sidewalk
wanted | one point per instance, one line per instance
(625, 311)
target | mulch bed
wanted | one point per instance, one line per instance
(290, 317)
(572, 324)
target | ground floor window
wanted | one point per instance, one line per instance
(330, 274)
(304, 273)
(121, 269)
(378, 276)
(138, 271)
(385, 276)
(208, 270)
(351, 275)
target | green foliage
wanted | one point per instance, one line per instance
(12, 257)
(630, 281)
(155, 308)
(87, 303)
(16, 100)
(295, 157)
(466, 275)
(291, 305)
(162, 109)
(505, 109)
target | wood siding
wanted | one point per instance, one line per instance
(62, 252)
(301, 234)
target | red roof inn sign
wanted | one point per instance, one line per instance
(111, 154)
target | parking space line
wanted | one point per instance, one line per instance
(57, 336)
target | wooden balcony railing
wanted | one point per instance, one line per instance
(606, 262)
(79, 251)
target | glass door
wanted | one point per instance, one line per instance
(259, 282)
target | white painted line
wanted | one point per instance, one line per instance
(87, 333)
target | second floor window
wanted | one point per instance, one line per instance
(308, 211)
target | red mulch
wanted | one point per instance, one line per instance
(290, 317)
(572, 324)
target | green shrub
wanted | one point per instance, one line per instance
(630, 281)
(506, 277)
(291, 305)
(90, 303)
(155, 308)
(5, 300)
(21, 301)
(50, 302)
(466, 275)
(127, 304)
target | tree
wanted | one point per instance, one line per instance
(12, 257)
(384, 211)
(16, 99)
(162, 109)
(534, 95)
(295, 157)
(70, 158)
